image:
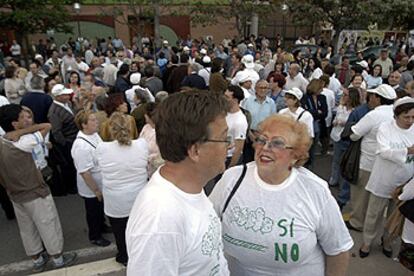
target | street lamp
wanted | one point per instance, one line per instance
(284, 9)
(77, 8)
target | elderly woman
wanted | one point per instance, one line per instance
(89, 179)
(115, 102)
(123, 163)
(292, 99)
(393, 166)
(282, 220)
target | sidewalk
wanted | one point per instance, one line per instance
(101, 268)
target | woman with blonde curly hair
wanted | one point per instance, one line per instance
(123, 163)
(279, 218)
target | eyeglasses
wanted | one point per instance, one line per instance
(275, 143)
(228, 140)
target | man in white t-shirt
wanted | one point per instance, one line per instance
(296, 79)
(237, 124)
(381, 99)
(173, 228)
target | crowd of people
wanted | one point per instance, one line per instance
(199, 158)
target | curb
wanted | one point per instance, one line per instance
(84, 255)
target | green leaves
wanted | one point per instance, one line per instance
(34, 16)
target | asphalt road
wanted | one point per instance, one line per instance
(72, 216)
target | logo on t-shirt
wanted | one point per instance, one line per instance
(211, 244)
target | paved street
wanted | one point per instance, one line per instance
(71, 212)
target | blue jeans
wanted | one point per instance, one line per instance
(336, 178)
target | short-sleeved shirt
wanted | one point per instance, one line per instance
(171, 232)
(259, 110)
(305, 118)
(84, 159)
(124, 174)
(367, 127)
(284, 229)
(35, 144)
(237, 124)
(393, 165)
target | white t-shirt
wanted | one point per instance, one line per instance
(84, 159)
(393, 165)
(171, 232)
(34, 143)
(237, 124)
(306, 117)
(299, 81)
(124, 174)
(408, 230)
(284, 229)
(368, 128)
(316, 74)
(330, 101)
(342, 114)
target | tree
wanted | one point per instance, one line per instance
(34, 16)
(352, 14)
(241, 11)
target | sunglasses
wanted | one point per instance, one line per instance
(275, 143)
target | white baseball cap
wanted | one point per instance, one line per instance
(250, 45)
(186, 48)
(38, 56)
(295, 92)
(363, 63)
(385, 91)
(243, 76)
(135, 78)
(404, 100)
(203, 51)
(248, 61)
(165, 42)
(206, 59)
(60, 89)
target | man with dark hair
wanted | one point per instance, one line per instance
(178, 75)
(37, 100)
(35, 209)
(152, 82)
(173, 228)
(237, 123)
(122, 83)
(194, 80)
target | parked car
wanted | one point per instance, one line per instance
(307, 50)
(373, 51)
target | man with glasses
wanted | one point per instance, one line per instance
(172, 228)
(260, 107)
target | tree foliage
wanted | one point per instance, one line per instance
(34, 16)
(353, 14)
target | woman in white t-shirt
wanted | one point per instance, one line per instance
(88, 174)
(292, 99)
(393, 166)
(123, 163)
(350, 100)
(282, 220)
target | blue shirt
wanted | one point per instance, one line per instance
(259, 111)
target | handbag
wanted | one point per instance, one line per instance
(407, 209)
(350, 162)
